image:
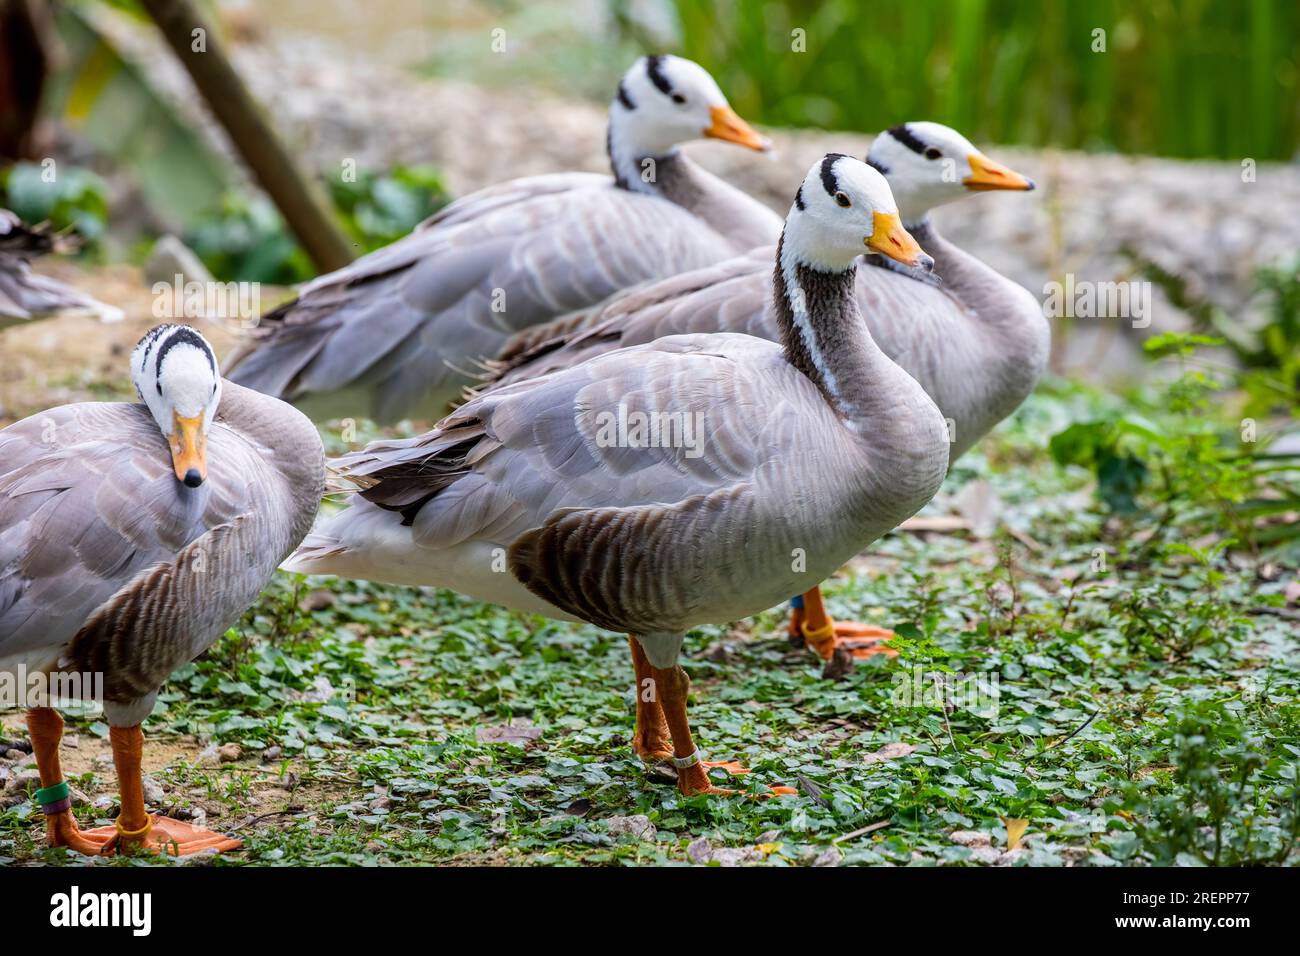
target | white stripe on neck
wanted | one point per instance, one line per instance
(797, 300)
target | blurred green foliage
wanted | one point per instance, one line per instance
(68, 197)
(1188, 78)
(247, 240)
(1181, 452)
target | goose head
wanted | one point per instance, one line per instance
(664, 101)
(842, 206)
(175, 374)
(928, 164)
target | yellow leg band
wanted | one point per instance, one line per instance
(819, 636)
(139, 834)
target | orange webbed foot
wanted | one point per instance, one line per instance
(165, 836)
(61, 830)
(859, 640)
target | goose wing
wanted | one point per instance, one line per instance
(541, 467)
(399, 329)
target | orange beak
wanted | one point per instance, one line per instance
(889, 238)
(189, 450)
(987, 174)
(727, 125)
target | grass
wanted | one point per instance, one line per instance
(1147, 713)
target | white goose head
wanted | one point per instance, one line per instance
(664, 101)
(841, 206)
(175, 375)
(929, 164)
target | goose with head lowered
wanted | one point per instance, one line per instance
(131, 537)
(769, 466)
(977, 342)
(400, 332)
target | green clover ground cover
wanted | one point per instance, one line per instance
(1147, 713)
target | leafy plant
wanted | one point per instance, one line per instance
(1208, 809)
(1188, 469)
(248, 240)
(72, 198)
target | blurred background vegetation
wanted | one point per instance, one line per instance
(1185, 78)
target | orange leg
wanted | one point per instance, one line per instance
(692, 775)
(46, 729)
(650, 740)
(134, 828)
(823, 634)
(692, 772)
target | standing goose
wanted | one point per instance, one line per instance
(769, 467)
(393, 335)
(977, 343)
(131, 537)
(26, 295)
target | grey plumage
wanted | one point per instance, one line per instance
(653, 538)
(26, 295)
(109, 564)
(978, 343)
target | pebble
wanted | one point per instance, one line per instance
(638, 826)
(23, 780)
(154, 794)
(971, 838)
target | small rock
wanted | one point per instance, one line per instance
(769, 836)
(986, 855)
(830, 857)
(104, 801)
(79, 798)
(1010, 856)
(381, 803)
(24, 780)
(732, 856)
(700, 851)
(229, 753)
(14, 755)
(638, 826)
(154, 794)
(170, 257)
(72, 740)
(273, 753)
(970, 838)
(209, 756)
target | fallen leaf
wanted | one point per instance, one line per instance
(889, 752)
(1016, 828)
(521, 734)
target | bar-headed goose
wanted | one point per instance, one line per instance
(977, 342)
(26, 295)
(131, 537)
(401, 331)
(698, 478)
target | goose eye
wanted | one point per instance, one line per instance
(679, 99)
(932, 153)
(843, 199)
